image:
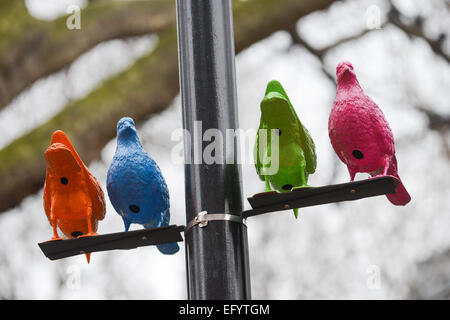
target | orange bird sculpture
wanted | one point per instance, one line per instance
(73, 199)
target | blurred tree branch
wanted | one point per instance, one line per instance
(439, 123)
(40, 48)
(147, 87)
(415, 29)
(320, 53)
(436, 121)
(432, 280)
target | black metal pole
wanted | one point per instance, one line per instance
(217, 254)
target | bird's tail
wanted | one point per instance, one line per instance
(168, 248)
(401, 197)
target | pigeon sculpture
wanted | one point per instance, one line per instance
(136, 186)
(360, 134)
(73, 199)
(296, 149)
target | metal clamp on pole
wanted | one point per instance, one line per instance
(204, 217)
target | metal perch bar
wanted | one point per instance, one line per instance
(59, 249)
(263, 203)
(321, 195)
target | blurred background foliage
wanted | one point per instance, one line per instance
(123, 62)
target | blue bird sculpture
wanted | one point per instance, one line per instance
(136, 187)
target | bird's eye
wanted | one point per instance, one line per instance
(134, 208)
(64, 180)
(357, 154)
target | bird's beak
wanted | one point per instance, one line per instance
(343, 71)
(126, 130)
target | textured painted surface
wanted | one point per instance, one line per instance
(297, 154)
(73, 198)
(360, 134)
(136, 187)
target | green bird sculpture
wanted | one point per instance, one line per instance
(283, 161)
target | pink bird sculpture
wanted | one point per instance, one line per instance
(360, 134)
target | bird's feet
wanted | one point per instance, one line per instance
(265, 193)
(395, 180)
(379, 175)
(301, 188)
(89, 234)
